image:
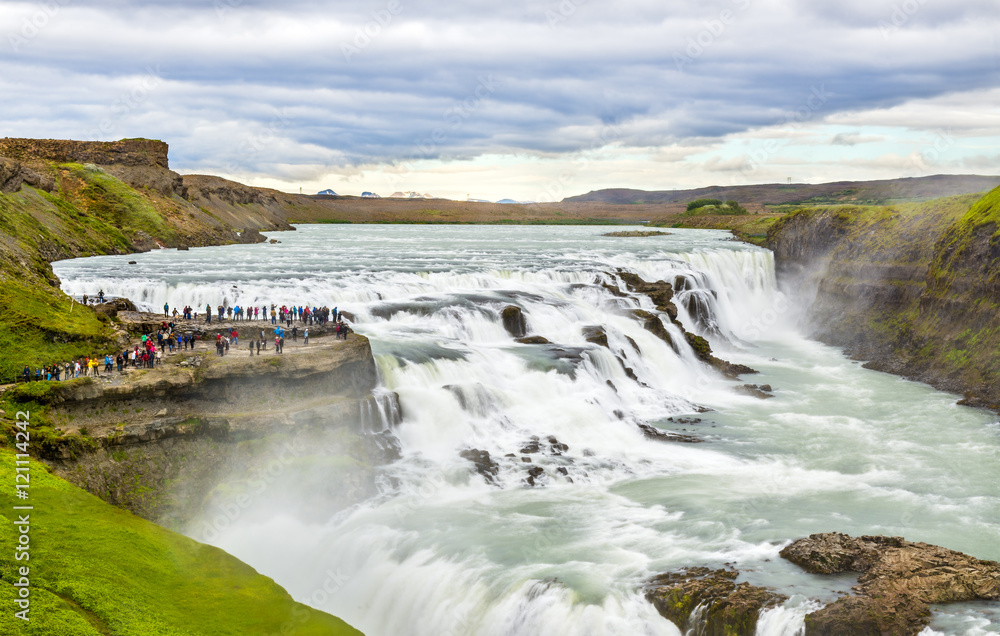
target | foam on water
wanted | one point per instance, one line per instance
(440, 551)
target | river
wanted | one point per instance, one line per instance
(441, 551)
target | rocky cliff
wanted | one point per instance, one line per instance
(162, 442)
(913, 289)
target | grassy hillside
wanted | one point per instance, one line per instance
(91, 211)
(98, 570)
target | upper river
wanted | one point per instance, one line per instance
(440, 551)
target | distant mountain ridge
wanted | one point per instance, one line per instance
(854, 192)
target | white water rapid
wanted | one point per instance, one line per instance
(441, 551)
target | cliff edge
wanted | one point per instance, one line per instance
(913, 289)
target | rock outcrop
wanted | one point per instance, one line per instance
(725, 608)
(662, 293)
(158, 442)
(513, 321)
(899, 580)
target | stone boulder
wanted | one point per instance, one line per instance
(596, 335)
(484, 464)
(513, 321)
(899, 580)
(727, 608)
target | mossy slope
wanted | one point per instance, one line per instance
(96, 569)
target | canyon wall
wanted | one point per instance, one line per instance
(912, 289)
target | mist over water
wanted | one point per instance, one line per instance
(440, 551)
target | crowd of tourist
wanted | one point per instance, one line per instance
(237, 313)
(149, 352)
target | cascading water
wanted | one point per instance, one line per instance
(443, 550)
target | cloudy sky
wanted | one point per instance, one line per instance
(533, 100)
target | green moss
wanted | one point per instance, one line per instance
(96, 569)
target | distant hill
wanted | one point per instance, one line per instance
(855, 192)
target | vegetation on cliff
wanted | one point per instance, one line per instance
(96, 569)
(133, 203)
(912, 288)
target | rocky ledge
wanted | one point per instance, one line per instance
(898, 583)
(164, 442)
(710, 602)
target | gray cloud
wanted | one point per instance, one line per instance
(254, 86)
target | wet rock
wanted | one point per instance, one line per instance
(531, 340)
(651, 432)
(531, 447)
(513, 321)
(727, 608)
(684, 420)
(660, 292)
(899, 581)
(132, 262)
(533, 473)
(766, 388)
(653, 324)
(703, 350)
(526, 460)
(755, 391)
(485, 466)
(596, 335)
(612, 385)
(384, 446)
(562, 470)
(634, 345)
(183, 248)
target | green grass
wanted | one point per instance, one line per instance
(41, 325)
(96, 569)
(118, 204)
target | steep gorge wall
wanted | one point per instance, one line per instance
(912, 289)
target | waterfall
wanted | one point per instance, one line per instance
(584, 507)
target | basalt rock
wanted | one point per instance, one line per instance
(660, 292)
(703, 350)
(13, 173)
(513, 321)
(652, 323)
(899, 580)
(755, 391)
(485, 465)
(112, 307)
(532, 340)
(727, 608)
(651, 432)
(596, 335)
(534, 472)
